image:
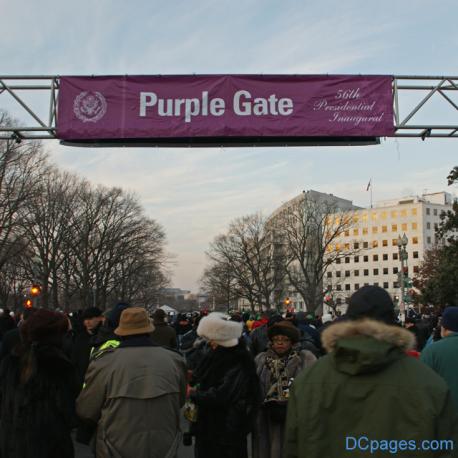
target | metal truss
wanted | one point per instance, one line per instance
(424, 106)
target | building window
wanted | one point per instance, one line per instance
(383, 215)
(365, 244)
(414, 226)
(376, 283)
(365, 231)
(329, 274)
(384, 242)
(415, 254)
(404, 227)
(385, 284)
(356, 259)
(428, 225)
(347, 233)
(395, 270)
(347, 246)
(384, 229)
(394, 228)
(395, 284)
(347, 287)
(414, 212)
(356, 232)
(395, 256)
(374, 243)
(385, 271)
(415, 240)
(375, 230)
(356, 273)
(394, 214)
(375, 271)
(356, 245)
(385, 257)
(428, 211)
(374, 215)
(338, 261)
(356, 286)
(347, 260)
(366, 272)
(428, 239)
(404, 212)
(364, 217)
(338, 274)
(338, 287)
(435, 212)
(394, 242)
(366, 258)
(375, 257)
(347, 273)
(415, 269)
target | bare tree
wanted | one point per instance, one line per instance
(47, 218)
(22, 166)
(218, 282)
(309, 229)
(247, 250)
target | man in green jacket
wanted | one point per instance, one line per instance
(366, 397)
(134, 394)
(442, 356)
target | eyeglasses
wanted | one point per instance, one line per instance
(281, 340)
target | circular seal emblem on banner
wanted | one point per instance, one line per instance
(90, 106)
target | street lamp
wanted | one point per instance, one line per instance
(402, 243)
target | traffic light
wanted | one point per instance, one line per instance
(35, 290)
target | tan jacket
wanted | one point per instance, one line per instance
(134, 394)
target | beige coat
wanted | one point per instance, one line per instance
(134, 394)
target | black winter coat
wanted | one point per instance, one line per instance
(36, 418)
(227, 397)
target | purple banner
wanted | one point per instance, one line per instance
(142, 107)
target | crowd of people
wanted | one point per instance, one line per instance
(283, 385)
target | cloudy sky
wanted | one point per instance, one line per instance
(195, 193)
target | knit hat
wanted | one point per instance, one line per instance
(159, 316)
(371, 302)
(220, 329)
(44, 327)
(112, 317)
(284, 328)
(134, 320)
(450, 319)
(91, 312)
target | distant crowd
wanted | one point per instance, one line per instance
(282, 385)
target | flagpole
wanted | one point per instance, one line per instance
(372, 185)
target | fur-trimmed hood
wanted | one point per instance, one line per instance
(365, 345)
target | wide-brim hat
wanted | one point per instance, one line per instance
(220, 329)
(284, 328)
(134, 320)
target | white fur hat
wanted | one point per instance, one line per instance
(218, 327)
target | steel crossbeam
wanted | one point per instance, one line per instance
(424, 106)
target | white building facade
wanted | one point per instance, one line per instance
(373, 238)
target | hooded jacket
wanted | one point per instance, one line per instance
(366, 386)
(134, 394)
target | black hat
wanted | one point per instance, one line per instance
(284, 328)
(450, 319)
(371, 302)
(91, 312)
